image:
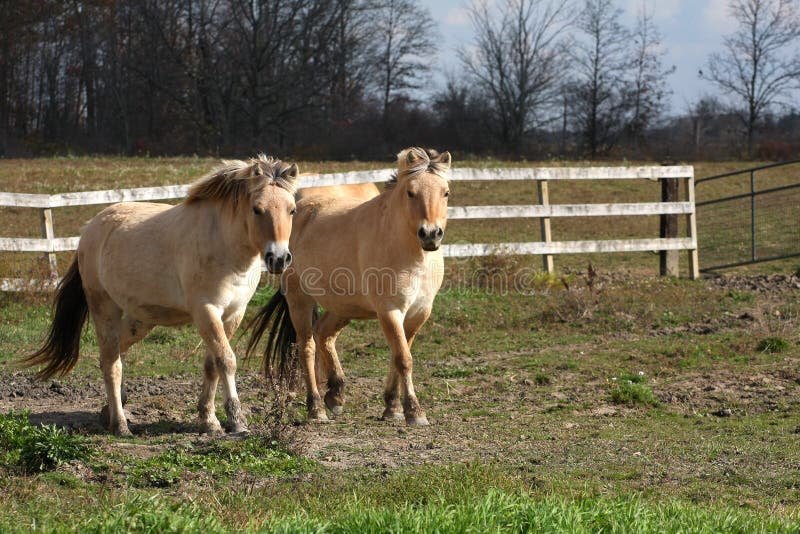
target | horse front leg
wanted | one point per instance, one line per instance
(399, 381)
(215, 335)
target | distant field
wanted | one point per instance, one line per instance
(85, 174)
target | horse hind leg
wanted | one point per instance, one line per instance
(107, 318)
(301, 313)
(326, 331)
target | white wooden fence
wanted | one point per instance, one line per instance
(544, 211)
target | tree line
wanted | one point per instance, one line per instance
(358, 79)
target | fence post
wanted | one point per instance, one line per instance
(668, 259)
(544, 200)
(691, 230)
(46, 218)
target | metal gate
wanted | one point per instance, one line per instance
(749, 216)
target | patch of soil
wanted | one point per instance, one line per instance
(770, 284)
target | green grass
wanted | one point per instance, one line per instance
(632, 394)
(448, 499)
(220, 460)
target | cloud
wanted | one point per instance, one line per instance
(717, 17)
(662, 10)
(457, 17)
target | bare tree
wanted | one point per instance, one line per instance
(601, 62)
(760, 61)
(405, 31)
(517, 61)
(647, 88)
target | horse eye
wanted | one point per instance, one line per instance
(292, 211)
(410, 194)
(447, 193)
(257, 210)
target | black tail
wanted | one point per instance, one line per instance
(61, 349)
(280, 359)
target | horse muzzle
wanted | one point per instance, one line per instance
(277, 257)
(430, 237)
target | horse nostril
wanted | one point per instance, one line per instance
(421, 233)
(439, 232)
(288, 258)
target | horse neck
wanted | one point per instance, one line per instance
(234, 244)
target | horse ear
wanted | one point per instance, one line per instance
(412, 157)
(445, 159)
(291, 172)
(258, 171)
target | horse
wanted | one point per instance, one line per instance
(360, 191)
(140, 265)
(375, 259)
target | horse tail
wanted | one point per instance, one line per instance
(62, 347)
(279, 356)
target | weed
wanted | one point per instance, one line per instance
(541, 379)
(772, 345)
(633, 392)
(14, 427)
(47, 446)
(38, 448)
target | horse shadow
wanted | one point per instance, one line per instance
(88, 422)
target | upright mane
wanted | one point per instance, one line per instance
(413, 162)
(234, 180)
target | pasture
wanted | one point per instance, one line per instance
(598, 399)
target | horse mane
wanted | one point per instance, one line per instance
(413, 162)
(236, 179)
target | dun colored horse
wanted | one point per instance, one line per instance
(140, 265)
(378, 259)
(359, 191)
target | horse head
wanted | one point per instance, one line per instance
(262, 192)
(421, 182)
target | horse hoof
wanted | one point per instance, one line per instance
(389, 415)
(242, 433)
(211, 429)
(337, 411)
(419, 420)
(317, 417)
(121, 431)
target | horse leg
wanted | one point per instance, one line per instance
(107, 318)
(392, 392)
(206, 409)
(209, 322)
(325, 333)
(301, 314)
(400, 372)
(131, 331)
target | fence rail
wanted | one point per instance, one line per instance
(543, 211)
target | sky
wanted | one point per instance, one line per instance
(691, 30)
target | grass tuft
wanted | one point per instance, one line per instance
(631, 390)
(38, 448)
(772, 345)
